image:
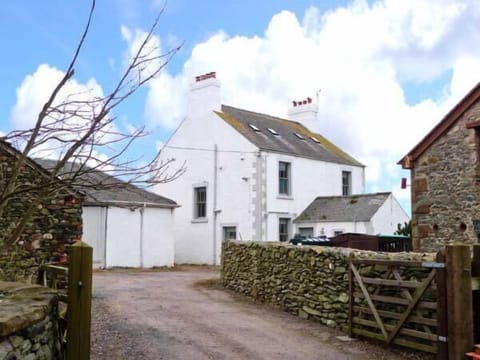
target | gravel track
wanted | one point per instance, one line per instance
(183, 314)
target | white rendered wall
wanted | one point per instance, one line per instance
(389, 215)
(195, 241)
(157, 243)
(123, 237)
(309, 179)
(328, 228)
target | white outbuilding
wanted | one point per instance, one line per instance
(372, 214)
(127, 226)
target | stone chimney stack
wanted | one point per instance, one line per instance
(204, 95)
(305, 112)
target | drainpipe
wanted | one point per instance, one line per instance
(105, 238)
(264, 193)
(142, 210)
(215, 212)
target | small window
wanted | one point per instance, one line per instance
(254, 128)
(306, 231)
(274, 132)
(229, 233)
(346, 183)
(284, 178)
(301, 137)
(315, 140)
(200, 202)
(283, 229)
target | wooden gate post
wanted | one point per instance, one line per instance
(442, 327)
(476, 293)
(79, 301)
(459, 301)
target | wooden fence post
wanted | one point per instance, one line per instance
(79, 301)
(459, 301)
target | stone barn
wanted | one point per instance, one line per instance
(445, 178)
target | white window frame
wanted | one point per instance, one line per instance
(289, 228)
(288, 179)
(224, 232)
(350, 182)
(195, 217)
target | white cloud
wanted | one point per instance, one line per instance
(74, 98)
(140, 47)
(36, 88)
(362, 57)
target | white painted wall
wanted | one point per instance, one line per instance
(193, 143)
(123, 237)
(158, 242)
(328, 228)
(389, 215)
(310, 178)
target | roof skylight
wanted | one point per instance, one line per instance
(315, 140)
(274, 132)
(254, 128)
(301, 137)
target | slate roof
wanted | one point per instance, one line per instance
(343, 208)
(113, 191)
(286, 141)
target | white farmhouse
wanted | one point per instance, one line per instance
(248, 175)
(372, 214)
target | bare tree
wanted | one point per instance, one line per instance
(81, 131)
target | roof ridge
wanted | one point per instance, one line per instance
(354, 195)
(271, 117)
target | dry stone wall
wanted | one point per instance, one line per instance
(57, 222)
(309, 281)
(28, 322)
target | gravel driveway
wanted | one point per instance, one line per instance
(183, 314)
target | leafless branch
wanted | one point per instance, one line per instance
(81, 131)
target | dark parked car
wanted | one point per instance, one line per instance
(317, 240)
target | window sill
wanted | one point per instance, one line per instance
(199, 220)
(284, 197)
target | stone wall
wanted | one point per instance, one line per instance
(56, 223)
(445, 187)
(309, 281)
(28, 322)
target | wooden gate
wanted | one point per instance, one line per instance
(399, 302)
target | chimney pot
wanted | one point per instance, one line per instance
(305, 112)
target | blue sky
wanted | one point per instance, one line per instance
(388, 70)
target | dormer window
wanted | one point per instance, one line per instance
(301, 137)
(254, 128)
(274, 132)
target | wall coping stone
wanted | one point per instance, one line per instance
(22, 305)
